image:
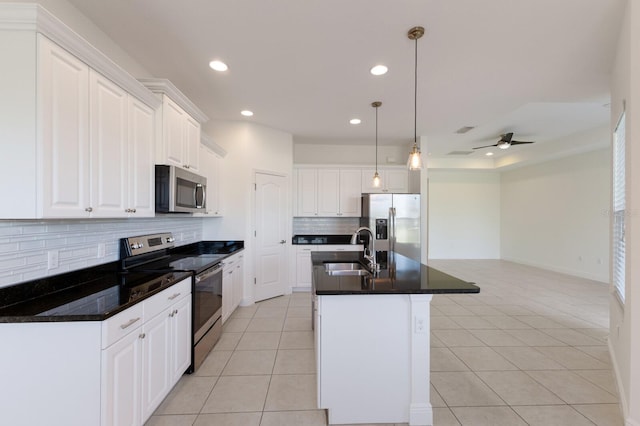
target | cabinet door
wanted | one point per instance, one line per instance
(307, 192)
(397, 180)
(303, 266)
(121, 396)
(227, 291)
(173, 133)
(350, 192)
(191, 144)
(141, 164)
(108, 138)
(63, 131)
(210, 164)
(156, 362)
(367, 181)
(180, 339)
(328, 192)
(238, 282)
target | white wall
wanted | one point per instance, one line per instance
(250, 148)
(624, 322)
(350, 154)
(464, 214)
(554, 215)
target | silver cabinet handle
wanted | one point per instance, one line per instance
(282, 241)
(174, 296)
(88, 209)
(128, 323)
(142, 336)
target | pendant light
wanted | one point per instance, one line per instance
(376, 176)
(415, 159)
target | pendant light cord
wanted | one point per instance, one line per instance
(376, 139)
(415, 99)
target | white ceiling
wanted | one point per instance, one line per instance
(538, 68)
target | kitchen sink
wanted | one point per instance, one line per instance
(350, 268)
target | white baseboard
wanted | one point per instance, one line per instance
(567, 271)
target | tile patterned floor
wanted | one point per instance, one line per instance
(530, 349)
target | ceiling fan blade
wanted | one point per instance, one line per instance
(506, 137)
(487, 146)
(519, 142)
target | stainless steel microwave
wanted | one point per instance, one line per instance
(179, 191)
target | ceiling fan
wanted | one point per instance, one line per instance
(505, 142)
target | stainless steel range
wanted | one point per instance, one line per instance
(151, 253)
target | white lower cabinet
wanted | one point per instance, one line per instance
(122, 369)
(303, 261)
(232, 283)
(140, 368)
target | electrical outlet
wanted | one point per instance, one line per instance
(102, 250)
(52, 259)
(421, 324)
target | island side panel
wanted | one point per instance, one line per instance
(365, 356)
(420, 410)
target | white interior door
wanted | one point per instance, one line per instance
(271, 236)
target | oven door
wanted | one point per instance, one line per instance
(207, 301)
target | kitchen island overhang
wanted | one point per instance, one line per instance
(372, 335)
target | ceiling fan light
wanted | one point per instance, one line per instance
(504, 145)
(415, 159)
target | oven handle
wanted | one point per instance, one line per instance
(209, 272)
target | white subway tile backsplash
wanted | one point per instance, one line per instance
(325, 225)
(24, 243)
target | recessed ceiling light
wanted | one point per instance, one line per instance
(379, 70)
(489, 154)
(355, 121)
(246, 113)
(218, 65)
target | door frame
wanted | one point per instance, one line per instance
(252, 234)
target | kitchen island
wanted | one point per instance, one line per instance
(372, 336)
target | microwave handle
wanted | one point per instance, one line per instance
(195, 196)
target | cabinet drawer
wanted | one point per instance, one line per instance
(118, 326)
(161, 301)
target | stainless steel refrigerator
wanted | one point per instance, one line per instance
(394, 219)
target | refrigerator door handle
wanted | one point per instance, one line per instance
(392, 228)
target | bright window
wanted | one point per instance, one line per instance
(619, 206)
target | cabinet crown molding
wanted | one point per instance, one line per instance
(33, 17)
(166, 87)
(209, 143)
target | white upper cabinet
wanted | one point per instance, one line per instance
(192, 144)
(307, 192)
(350, 192)
(211, 168)
(76, 144)
(63, 133)
(180, 137)
(179, 126)
(141, 164)
(394, 180)
(328, 192)
(108, 147)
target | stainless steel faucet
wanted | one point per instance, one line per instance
(371, 257)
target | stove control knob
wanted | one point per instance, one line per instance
(140, 245)
(170, 239)
(135, 246)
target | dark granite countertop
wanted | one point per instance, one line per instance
(96, 293)
(398, 275)
(321, 239)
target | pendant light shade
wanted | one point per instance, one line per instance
(415, 158)
(376, 177)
